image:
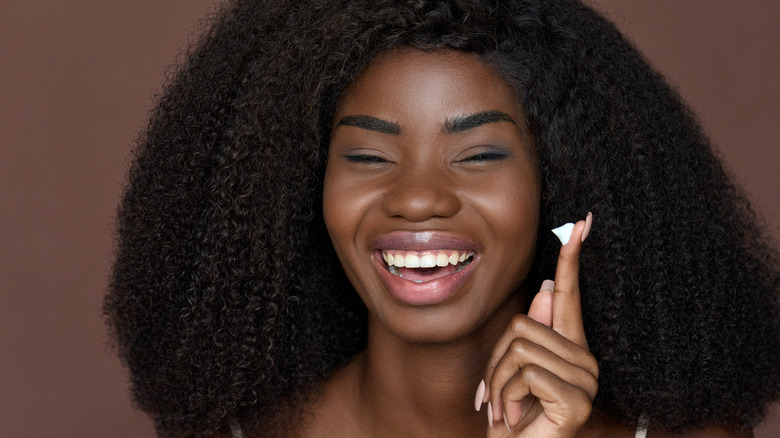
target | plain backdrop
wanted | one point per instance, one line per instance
(77, 79)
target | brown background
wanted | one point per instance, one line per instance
(76, 80)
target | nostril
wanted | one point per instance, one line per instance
(421, 201)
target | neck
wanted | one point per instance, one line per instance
(425, 389)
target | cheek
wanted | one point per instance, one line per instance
(514, 222)
(510, 205)
(344, 206)
(523, 214)
(511, 213)
(344, 210)
(333, 207)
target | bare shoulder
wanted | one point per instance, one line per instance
(602, 430)
(710, 432)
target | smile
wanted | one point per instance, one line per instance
(422, 266)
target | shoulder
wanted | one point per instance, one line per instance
(710, 432)
(602, 430)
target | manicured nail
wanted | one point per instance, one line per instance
(480, 395)
(490, 414)
(588, 223)
(548, 285)
(506, 422)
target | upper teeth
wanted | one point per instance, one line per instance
(424, 259)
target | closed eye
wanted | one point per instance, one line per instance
(366, 159)
(483, 157)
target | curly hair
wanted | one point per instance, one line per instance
(227, 299)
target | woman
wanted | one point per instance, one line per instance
(302, 145)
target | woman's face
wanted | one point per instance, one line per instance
(431, 193)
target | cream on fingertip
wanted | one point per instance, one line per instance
(564, 232)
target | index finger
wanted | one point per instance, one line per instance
(567, 309)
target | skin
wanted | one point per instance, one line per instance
(424, 180)
(423, 363)
(394, 168)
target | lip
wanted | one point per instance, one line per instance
(423, 240)
(430, 292)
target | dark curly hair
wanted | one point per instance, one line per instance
(227, 299)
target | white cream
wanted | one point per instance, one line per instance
(564, 232)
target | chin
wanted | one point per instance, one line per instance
(454, 322)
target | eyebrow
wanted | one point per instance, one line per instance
(371, 124)
(464, 123)
(454, 125)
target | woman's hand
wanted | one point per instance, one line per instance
(541, 378)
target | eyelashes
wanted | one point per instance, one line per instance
(366, 159)
(484, 157)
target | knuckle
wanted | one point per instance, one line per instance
(589, 362)
(531, 372)
(592, 388)
(577, 406)
(519, 324)
(517, 320)
(592, 365)
(583, 408)
(520, 347)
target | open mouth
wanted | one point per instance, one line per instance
(424, 266)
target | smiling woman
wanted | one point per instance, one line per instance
(456, 176)
(431, 199)
(338, 224)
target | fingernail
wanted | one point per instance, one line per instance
(548, 285)
(480, 395)
(490, 414)
(506, 422)
(588, 223)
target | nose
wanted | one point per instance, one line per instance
(421, 194)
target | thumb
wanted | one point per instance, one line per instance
(542, 305)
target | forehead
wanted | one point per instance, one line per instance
(429, 81)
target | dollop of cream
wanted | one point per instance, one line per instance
(564, 232)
